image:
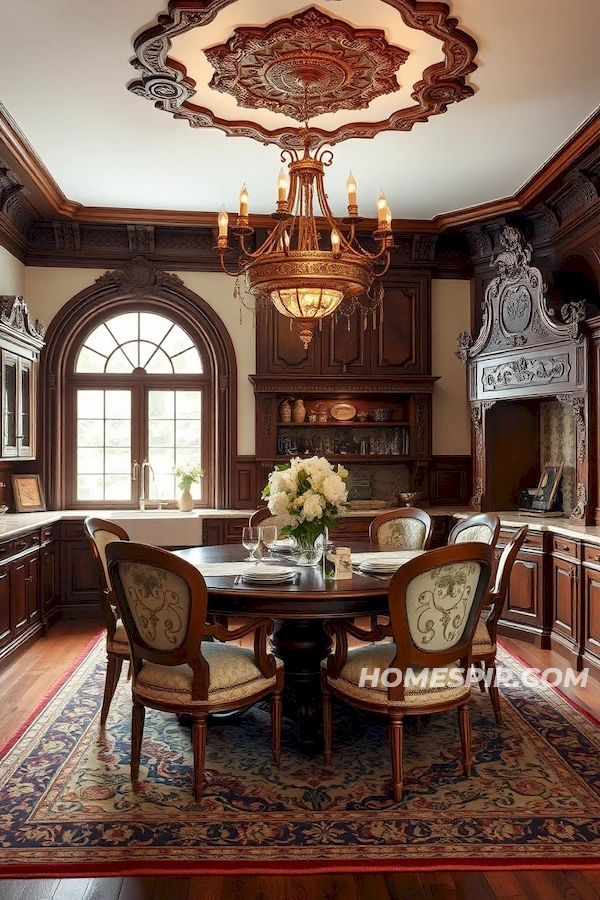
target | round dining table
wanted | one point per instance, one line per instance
(299, 610)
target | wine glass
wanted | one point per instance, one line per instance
(268, 535)
(251, 540)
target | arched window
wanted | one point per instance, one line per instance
(132, 375)
(139, 392)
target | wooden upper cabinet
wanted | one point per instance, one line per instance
(398, 345)
(20, 343)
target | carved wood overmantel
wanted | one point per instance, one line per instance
(524, 352)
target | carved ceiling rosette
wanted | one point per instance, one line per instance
(261, 67)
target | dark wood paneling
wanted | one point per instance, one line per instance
(247, 489)
(450, 480)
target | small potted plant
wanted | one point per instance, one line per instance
(187, 477)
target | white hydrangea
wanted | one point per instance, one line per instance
(278, 503)
(334, 490)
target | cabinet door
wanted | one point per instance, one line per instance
(282, 351)
(524, 600)
(344, 340)
(50, 578)
(399, 344)
(591, 612)
(564, 597)
(19, 593)
(10, 421)
(25, 409)
(32, 586)
(5, 608)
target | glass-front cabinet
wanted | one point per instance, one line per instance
(20, 343)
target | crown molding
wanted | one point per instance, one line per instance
(48, 201)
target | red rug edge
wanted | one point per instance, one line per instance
(572, 703)
(285, 867)
(20, 731)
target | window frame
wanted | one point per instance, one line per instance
(137, 285)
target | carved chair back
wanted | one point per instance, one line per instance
(409, 528)
(163, 602)
(264, 516)
(482, 527)
(435, 601)
(100, 534)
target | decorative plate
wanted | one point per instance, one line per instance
(342, 411)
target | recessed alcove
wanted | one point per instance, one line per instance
(523, 436)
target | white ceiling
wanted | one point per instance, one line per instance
(64, 68)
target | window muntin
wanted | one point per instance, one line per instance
(153, 362)
(104, 445)
(141, 340)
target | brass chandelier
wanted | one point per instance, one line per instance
(303, 281)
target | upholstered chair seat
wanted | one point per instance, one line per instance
(119, 642)
(233, 672)
(435, 601)
(482, 642)
(420, 690)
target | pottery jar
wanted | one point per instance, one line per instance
(298, 411)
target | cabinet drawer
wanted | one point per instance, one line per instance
(72, 531)
(591, 553)
(6, 550)
(50, 533)
(534, 539)
(233, 530)
(26, 542)
(566, 546)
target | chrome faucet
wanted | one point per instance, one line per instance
(139, 474)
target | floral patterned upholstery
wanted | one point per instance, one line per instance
(479, 533)
(159, 602)
(438, 603)
(277, 521)
(380, 656)
(233, 675)
(405, 533)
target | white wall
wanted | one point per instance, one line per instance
(450, 314)
(12, 274)
(48, 288)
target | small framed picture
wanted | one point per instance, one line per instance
(547, 488)
(29, 496)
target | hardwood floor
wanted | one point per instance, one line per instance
(25, 681)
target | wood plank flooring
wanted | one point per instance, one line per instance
(26, 680)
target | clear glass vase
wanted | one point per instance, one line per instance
(308, 551)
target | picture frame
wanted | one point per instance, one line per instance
(547, 488)
(28, 493)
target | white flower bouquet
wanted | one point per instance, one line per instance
(308, 496)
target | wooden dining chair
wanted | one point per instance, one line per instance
(100, 533)
(176, 667)
(264, 516)
(434, 602)
(484, 527)
(408, 528)
(484, 640)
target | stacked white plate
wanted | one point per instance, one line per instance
(263, 574)
(383, 563)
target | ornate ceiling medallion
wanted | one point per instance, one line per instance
(339, 71)
(305, 66)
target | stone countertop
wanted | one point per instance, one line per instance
(14, 524)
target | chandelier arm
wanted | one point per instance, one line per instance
(237, 274)
(269, 244)
(388, 261)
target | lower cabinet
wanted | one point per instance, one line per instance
(20, 599)
(527, 614)
(566, 605)
(590, 609)
(79, 596)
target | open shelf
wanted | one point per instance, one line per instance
(334, 423)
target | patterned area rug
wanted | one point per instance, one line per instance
(67, 806)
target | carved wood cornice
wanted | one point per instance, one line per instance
(15, 321)
(165, 81)
(318, 384)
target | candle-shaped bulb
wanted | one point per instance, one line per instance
(243, 201)
(381, 208)
(282, 185)
(223, 220)
(388, 216)
(335, 240)
(351, 189)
